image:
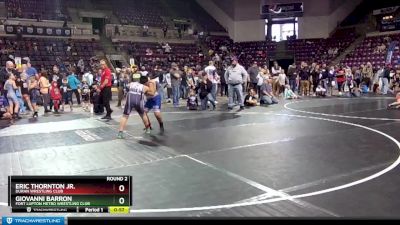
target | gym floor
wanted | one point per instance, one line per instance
(308, 158)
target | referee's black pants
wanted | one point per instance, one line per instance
(106, 97)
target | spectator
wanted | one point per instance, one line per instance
(253, 72)
(165, 30)
(293, 76)
(74, 83)
(31, 71)
(340, 78)
(81, 66)
(235, 76)
(282, 80)
(145, 30)
(44, 85)
(367, 75)
(180, 32)
(276, 70)
(167, 48)
(116, 30)
(175, 75)
(192, 102)
(55, 95)
(184, 83)
(304, 80)
(4, 73)
(314, 74)
(204, 90)
(385, 80)
(267, 95)
(350, 88)
(122, 84)
(149, 52)
(251, 99)
(88, 76)
(143, 71)
(289, 94)
(211, 72)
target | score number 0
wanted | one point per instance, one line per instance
(121, 200)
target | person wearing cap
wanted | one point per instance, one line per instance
(135, 100)
(235, 76)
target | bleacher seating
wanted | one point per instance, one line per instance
(179, 52)
(32, 9)
(316, 50)
(41, 57)
(256, 51)
(367, 52)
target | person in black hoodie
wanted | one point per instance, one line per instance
(204, 90)
(315, 72)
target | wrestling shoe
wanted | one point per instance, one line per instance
(120, 135)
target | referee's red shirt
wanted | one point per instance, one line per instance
(106, 75)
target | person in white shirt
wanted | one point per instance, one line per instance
(282, 82)
(211, 72)
(143, 71)
(167, 80)
(275, 71)
(88, 76)
(167, 48)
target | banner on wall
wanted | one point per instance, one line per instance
(40, 31)
(282, 10)
(387, 10)
(390, 25)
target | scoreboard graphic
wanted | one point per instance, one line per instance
(70, 194)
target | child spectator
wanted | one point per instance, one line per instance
(282, 81)
(251, 99)
(192, 102)
(66, 94)
(289, 94)
(321, 90)
(55, 95)
(85, 95)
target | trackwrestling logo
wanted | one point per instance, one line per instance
(33, 220)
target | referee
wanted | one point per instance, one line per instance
(105, 88)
